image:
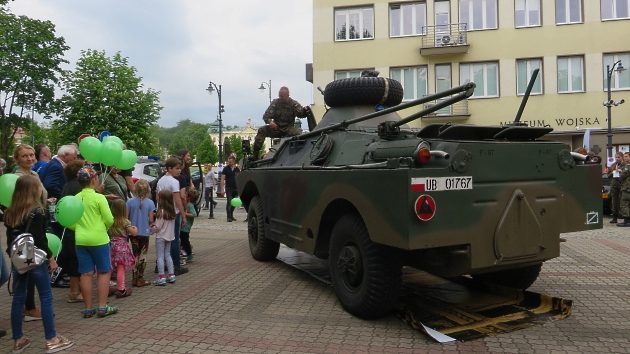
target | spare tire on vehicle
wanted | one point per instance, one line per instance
(363, 90)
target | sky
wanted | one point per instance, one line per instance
(179, 46)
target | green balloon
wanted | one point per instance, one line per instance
(7, 186)
(115, 139)
(54, 243)
(236, 202)
(110, 153)
(90, 148)
(127, 160)
(69, 210)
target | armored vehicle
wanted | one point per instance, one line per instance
(371, 195)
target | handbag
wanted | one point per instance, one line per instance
(25, 255)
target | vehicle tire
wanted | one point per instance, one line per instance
(365, 276)
(519, 278)
(363, 90)
(262, 248)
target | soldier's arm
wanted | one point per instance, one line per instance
(270, 112)
(298, 110)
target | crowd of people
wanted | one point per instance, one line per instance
(110, 238)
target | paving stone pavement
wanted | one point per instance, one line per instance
(231, 303)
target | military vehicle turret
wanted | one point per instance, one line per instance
(371, 195)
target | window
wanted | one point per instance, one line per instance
(571, 74)
(615, 9)
(568, 11)
(413, 81)
(442, 77)
(478, 14)
(354, 23)
(524, 69)
(408, 19)
(484, 75)
(345, 74)
(527, 13)
(618, 80)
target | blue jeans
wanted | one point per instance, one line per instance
(175, 242)
(42, 281)
(161, 245)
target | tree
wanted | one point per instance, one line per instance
(40, 134)
(185, 135)
(227, 148)
(30, 66)
(235, 144)
(207, 151)
(105, 93)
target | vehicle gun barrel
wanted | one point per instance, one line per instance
(530, 85)
(465, 90)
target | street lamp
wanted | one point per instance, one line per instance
(211, 88)
(609, 103)
(266, 85)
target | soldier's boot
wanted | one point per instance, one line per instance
(614, 219)
(625, 223)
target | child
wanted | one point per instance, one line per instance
(140, 210)
(26, 214)
(92, 244)
(119, 233)
(184, 233)
(165, 234)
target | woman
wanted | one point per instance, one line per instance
(26, 214)
(115, 185)
(92, 244)
(24, 157)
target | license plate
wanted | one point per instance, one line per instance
(434, 184)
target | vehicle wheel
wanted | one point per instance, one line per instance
(519, 278)
(363, 90)
(365, 276)
(262, 248)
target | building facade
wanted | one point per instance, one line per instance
(433, 45)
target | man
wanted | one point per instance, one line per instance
(614, 173)
(51, 174)
(625, 191)
(279, 120)
(210, 182)
(229, 177)
(43, 155)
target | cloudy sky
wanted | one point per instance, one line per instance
(179, 46)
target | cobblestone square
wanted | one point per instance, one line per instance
(230, 303)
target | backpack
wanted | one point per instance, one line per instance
(24, 254)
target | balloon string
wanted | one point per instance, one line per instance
(61, 246)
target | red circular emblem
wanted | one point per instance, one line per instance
(425, 207)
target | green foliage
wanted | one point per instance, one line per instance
(185, 135)
(40, 134)
(227, 148)
(30, 65)
(105, 93)
(207, 151)
(235, 145)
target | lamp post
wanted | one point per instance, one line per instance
(609, 103)
(266, 85)
(211, 88)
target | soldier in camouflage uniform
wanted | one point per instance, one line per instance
(625, 191)
(279, 120)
